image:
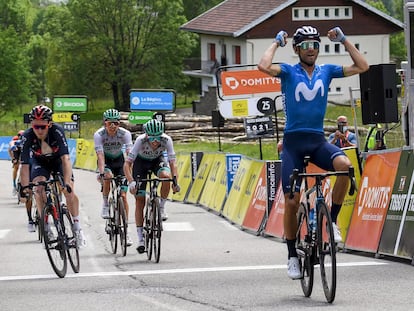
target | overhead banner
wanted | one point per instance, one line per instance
(248, 82)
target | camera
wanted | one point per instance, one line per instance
(341, 127)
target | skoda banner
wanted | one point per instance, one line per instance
(70, 103)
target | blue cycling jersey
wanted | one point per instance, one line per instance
(305, 97)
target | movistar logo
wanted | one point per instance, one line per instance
(308, 94)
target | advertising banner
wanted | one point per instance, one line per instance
(397, 234)
(70, 103)
(248, 82)
(242, 189)
(4, 147)
(373, 198)
(200, 179)
(183, 163)
(152, 100)
(257, 208)
(232, 165)
(214, 192)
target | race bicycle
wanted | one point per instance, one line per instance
(152, 227)
(57, 227)
(117, 223)
(315, 241)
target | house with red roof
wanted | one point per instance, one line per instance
(237, 32)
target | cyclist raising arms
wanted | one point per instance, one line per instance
(109, 143)
(46, 144)
(305, 89)
(147, 155)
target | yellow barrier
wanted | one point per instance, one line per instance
(214, 192)
(242, 190)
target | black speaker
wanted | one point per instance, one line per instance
(378, 88)
(217, 119)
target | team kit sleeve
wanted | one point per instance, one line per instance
(61, 139)
(97, 140)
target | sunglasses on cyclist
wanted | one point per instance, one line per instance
(39, 127)
(306, 45)
(114, 123)
(154, 138)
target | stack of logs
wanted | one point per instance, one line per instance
(190, 128)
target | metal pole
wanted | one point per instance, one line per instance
(354, 116)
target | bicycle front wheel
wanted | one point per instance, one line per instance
(53, 238)
(111, 226)
(304, 249)
(122, 226)
(156, 228)
(327, 252)
(71, 242)
(148, 230)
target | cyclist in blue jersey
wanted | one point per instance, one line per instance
(305, 87)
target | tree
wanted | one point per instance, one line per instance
(398, 51)
(131, 44)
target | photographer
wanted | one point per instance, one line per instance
(342, 137)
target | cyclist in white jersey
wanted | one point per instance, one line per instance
(110, 143)
(147, 155)
(305, 89)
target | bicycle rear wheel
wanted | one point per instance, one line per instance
(122, 226)
(304, 249)
(156, 229)
(148, 231)
(71, 242)
(111, 226)
(327, 252)
(54, 241)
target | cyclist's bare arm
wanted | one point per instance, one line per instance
(24, 174)
(101, 161)
(265, 65)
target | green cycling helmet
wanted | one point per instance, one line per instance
(154, 127)
(111, 114)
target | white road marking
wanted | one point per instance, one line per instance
(177, 226)
(175, 271)
(3, 233)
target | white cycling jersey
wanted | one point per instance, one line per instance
(112, 146)
(143, 149)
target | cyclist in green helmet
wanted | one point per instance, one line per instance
(149, 154)
(110, 142)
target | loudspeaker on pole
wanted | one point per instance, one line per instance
(378, 88)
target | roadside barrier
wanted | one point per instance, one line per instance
(378, 219)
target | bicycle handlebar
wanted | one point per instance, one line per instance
(56, 178)
(350, 173)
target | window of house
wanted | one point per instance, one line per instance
(326, 12)
(327, 48)
(236, 54)
(357, 46)
(296, 13)
(306, 13)
(316, 12)
(346, 11)
(337, 48)
(336, 12)
(338, 89)
(212, 51)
